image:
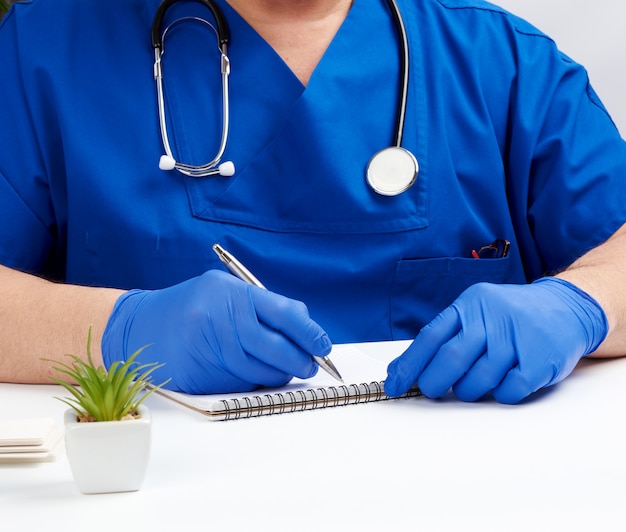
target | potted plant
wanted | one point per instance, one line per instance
(107, 428)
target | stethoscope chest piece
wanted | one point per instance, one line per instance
(392, 171)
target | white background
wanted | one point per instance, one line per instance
(592, 33)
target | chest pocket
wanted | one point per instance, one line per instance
(423, 288)
(299, 184)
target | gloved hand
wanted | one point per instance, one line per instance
(215, 334)
(507, 339)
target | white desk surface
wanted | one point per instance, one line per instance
(554, 463)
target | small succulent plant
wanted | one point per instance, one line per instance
(104, 395)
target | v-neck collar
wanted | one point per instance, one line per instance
(263, 85)
(243, 34)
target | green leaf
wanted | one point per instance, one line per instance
(101, 394)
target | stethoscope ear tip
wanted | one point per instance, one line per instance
(167, 163)
(227, 169)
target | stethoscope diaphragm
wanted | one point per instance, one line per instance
(392, 171)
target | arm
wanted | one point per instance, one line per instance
(43, 319)
(512, 340)
(602, 274)
(214, 333)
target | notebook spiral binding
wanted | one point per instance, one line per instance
(300, 400)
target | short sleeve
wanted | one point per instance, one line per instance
(566, 159)
(27, 219)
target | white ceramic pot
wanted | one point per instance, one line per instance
(108, 456)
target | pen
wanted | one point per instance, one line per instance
(239, 270)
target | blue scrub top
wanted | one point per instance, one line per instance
(511, 140)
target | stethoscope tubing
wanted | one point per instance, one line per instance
(381, 169)
(158, 40)
(404, 71)
(223, 31)
(187, 169)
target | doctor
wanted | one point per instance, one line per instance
(502, 254)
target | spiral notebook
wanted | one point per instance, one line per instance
(364, 373)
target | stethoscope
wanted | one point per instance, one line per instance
(389, 172)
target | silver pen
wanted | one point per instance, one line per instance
(239, 270)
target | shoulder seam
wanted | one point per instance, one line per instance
(528, 30)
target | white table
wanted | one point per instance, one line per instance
(554, 463)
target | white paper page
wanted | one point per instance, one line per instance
(355, 367)
(24, 432)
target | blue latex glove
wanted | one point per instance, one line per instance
(511, 340)
(215, 334)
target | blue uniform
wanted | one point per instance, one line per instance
(511, 140)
